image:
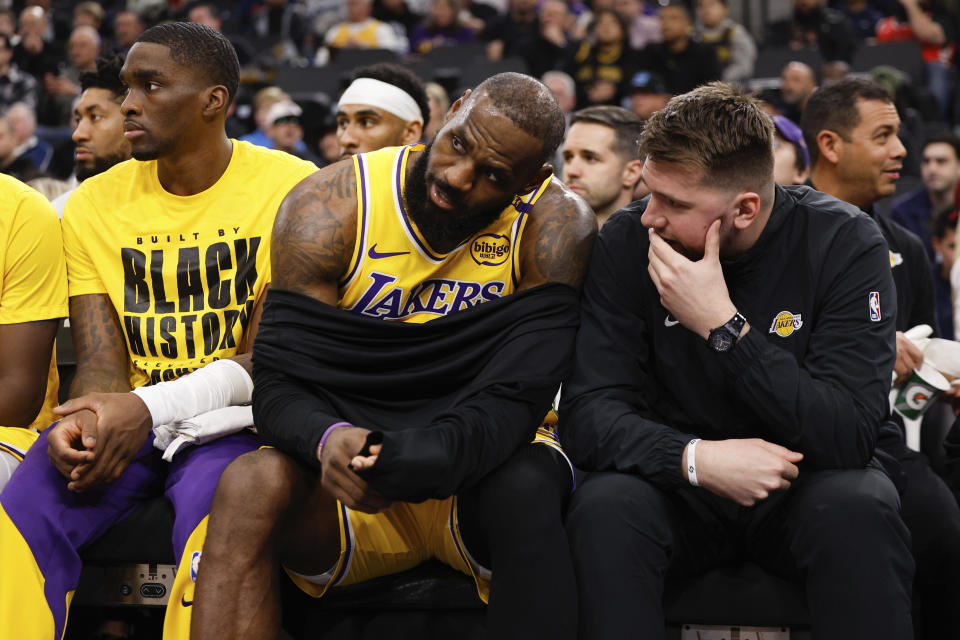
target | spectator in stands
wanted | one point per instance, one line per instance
(88, 14)
(813, 24)
(282, 28)
(23, 120)
(851, 131)
(791, 160)
(477, 15)
(732, 43)
(648, 94)
(98, 123)
(398, 14)
(208, 14)
(932, 24)
(797, 84)
(442, 28)
(385, 105)
(728, 385)
(564, 89)
(602, 64)
(15, 85)
(33, 54)
(8, 22)
(520, 34)
(262, 101)
(863, 17)
(555, 22)
(940, 172)
(943, 237)
(20, 167)
(83, 49)
(285, 131)
(224, 196)
(643, 22)
(681, 62)
(362, 31)
(600, 157)
(62, 87)
(127, 27)
(439, 103)
(32, 302)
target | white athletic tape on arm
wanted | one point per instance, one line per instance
(692, 462)
(382, 95)
(223, 383)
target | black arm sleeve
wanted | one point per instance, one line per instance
(288, 415)
(465, 443)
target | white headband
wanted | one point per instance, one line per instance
(383, 96)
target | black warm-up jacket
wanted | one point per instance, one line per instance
(451, 399)
(643, 386)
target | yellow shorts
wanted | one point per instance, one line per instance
(403, 536)
(16, 441)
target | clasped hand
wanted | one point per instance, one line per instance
(745, 471)
(98, 436)
(695, 293)
(340, 459)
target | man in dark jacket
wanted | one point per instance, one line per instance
(731, 375)
(856, 155)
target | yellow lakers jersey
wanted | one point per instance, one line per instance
(394, 274)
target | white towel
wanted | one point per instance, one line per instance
(202, 428)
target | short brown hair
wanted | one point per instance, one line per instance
(717, 129)
(625, 124)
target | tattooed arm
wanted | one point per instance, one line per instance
(315, 232)
(313, 240)
(102, 358)
(557, 240)
(102, 366)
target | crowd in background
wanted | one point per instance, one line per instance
(632, 53)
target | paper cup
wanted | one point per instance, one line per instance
(921, 390)
(944, 356)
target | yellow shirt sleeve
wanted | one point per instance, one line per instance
(82, 276)
(34, 271)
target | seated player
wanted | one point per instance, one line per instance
(406, 357)
(386, 105)
(98, 123)
(168, 263)
(33, 299)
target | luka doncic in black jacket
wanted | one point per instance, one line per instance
(812, 374)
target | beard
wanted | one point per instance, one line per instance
(444, 229)
(100, 164)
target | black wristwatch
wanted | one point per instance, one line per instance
(723, 338)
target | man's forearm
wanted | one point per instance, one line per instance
(93, 379)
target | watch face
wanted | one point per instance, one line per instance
(720, 340)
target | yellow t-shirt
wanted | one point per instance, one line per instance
(395, 275)
(183, 272)
(34, 285)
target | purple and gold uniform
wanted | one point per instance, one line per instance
(395, 275)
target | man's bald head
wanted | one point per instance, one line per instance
(797, 82)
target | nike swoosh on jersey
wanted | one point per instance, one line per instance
(376, 255)
(183, 601)
(669, 321)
